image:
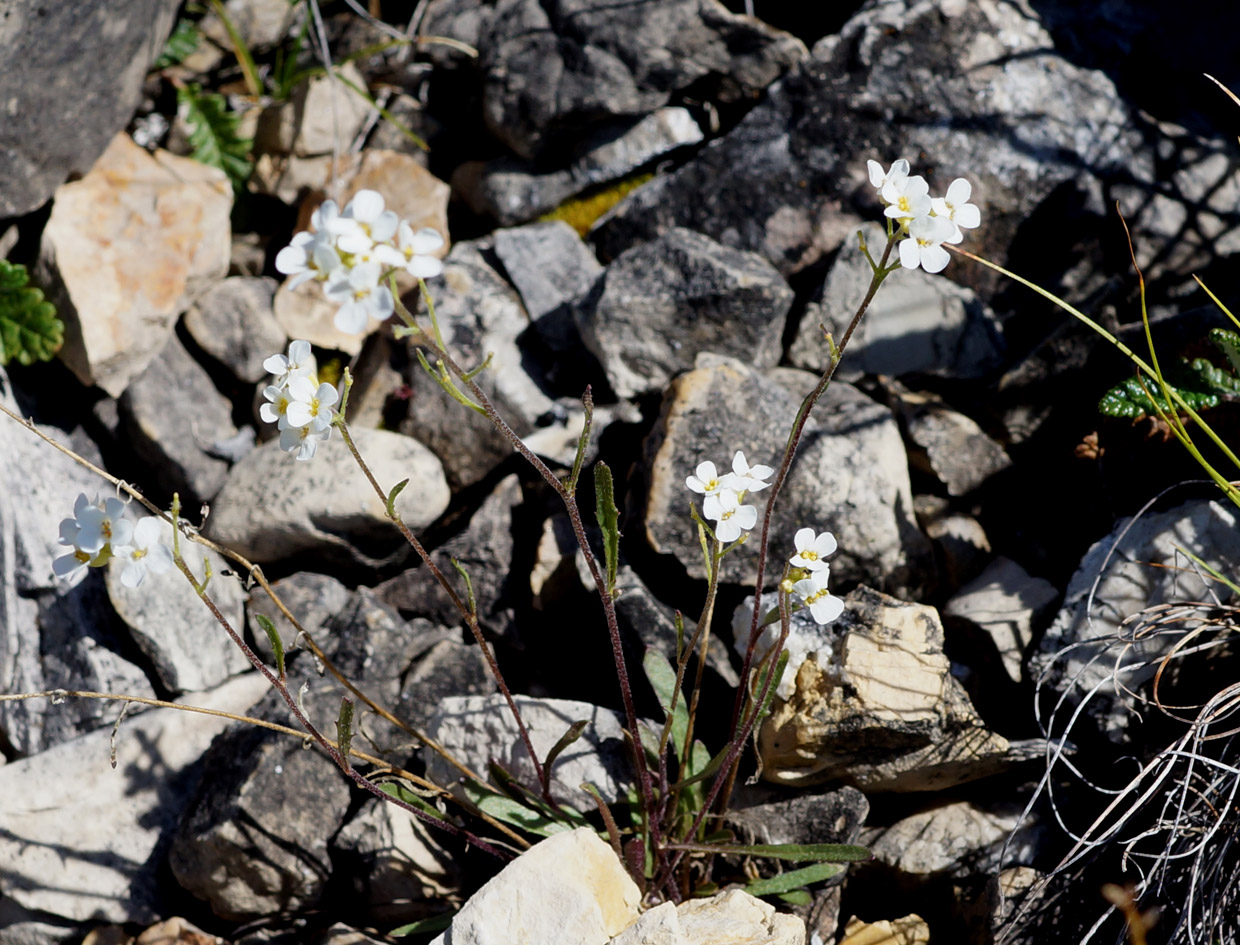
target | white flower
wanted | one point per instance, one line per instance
(731, 518)
(305, 440)
(811, 549)
(324, 216)
(907, 199)
(310, 405)
(144, 552)
(308, 256)
(416, 249)
(749, 478)
(361, 297)
(277, 410)
(956, 207)
(823, 606)
(897, 174)
(924, 245)
(707, 480)
(363, 223)
(299, 363)
(100, 524)
(70, 564)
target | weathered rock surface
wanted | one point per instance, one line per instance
(1004, 602)
(326, 505)
(973, 90)
(123, 250)
(918, 323)
(732, 917)
(101, 844)
(553, 70)
(314, 599)
(569, 889)
(659, 305)
(548, 263)
(83, 65)
(186, 645)
(887, 715)
(233, 322)
(835, 817)
(909, 930)
(476, 729)
(1138, 566)
(512, 190)
(850, 476)
(260, 23)
(322, 116)
(178, 423)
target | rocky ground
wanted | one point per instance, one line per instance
(1014, 565)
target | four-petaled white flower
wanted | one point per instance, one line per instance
(310, 405)
(956, 207)
(706, 479)
(297, 403)
(823, 606)
(360, 296)
(416, 249)
(880, 178)
(363, 223)
(308, 256)
(730, 517)
(305, 440)
(100, 524)
(144, 552)
(906, 199)
(812, 549)
(924, 244)
(749, 478)
(299, 363)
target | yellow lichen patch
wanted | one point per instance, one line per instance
(581, 212)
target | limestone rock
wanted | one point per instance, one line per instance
(124, 248)
(959, 839)
(732, 917)
(569, 889)
(909, 930)
(233, 322)
(548, 263)
(323, 116)
(314, 599)
(886, 715)
(100, 49)
(326, 504)
(100, 844)
(850, 476)
(659, 305)
(261, 23)
(177, 422)
(183, 640)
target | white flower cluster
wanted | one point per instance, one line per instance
(724, 495)
(927, 222)
(811, 549)
(300, 407)
(99, 532)
(352, 250)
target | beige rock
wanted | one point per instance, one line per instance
(124, 248)
(569, 889)
(944, 839)
(322, 117)
(886, 714)
(732, 917)
(910, 930)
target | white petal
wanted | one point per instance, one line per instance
(298, 352)
(910, 258)
(326, 395)
(426, 241)
(967, 216)
(351, 319)
(301, 389)
(804, 538)
(934, 258)
(291, 260)
(384, 227)
(876, 173)
(424, 267)
(958, 192)
(365, 206)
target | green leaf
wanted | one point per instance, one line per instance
(608, 520)
(573, 733)
(273, 637)
(765, 708)
(436, 923)
(663, 680)
(794, 852)
(181, 43)
(402, 793)
(391, 499)
(1227, 342)
(712, 766)
(786, 882)
(344, 730)
(29, 328)
(213, 133)
(504, 808)
(1200, 383)
(796, 897)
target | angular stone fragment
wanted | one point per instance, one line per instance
(123, 250)
(234, 323)
(732, 917)
(322, 117)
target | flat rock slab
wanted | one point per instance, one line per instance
(124, 248)
(99, 843)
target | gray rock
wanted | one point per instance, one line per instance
(314, 599)
(93, 854)
(548, 263)
(484, 549)
(173, 415)
(326, 505)
(552, 70)
(918, 323)
(186, 645)
(447, 668)
(976, 91)
(512, 190)
(478, 729)
(659, 305)
(1140, 565)
(260, 23)
(961, 546)
(234, 322)
(834, 817)
(480, 315)
(850, 477)
(1003, 603)
(65, 50)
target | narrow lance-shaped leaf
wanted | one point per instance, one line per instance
(413, 799)
(608, 520)
(344, 731)
(570, 736)
(273, 638)
(663, 680)
(391, 499)
(795, 879)
(794, 852)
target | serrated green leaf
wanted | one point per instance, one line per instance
(273, 638)
(794, 879)
(1134, 398)
(436, 923)
(608, 520)
(1228, 343)
(182, 42)
(29, 328)
(663, 680)
(213, 133)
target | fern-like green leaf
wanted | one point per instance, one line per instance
(29, 328)
(1228, 342)
(181, 44)
(213, 133)
(1134, 398)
